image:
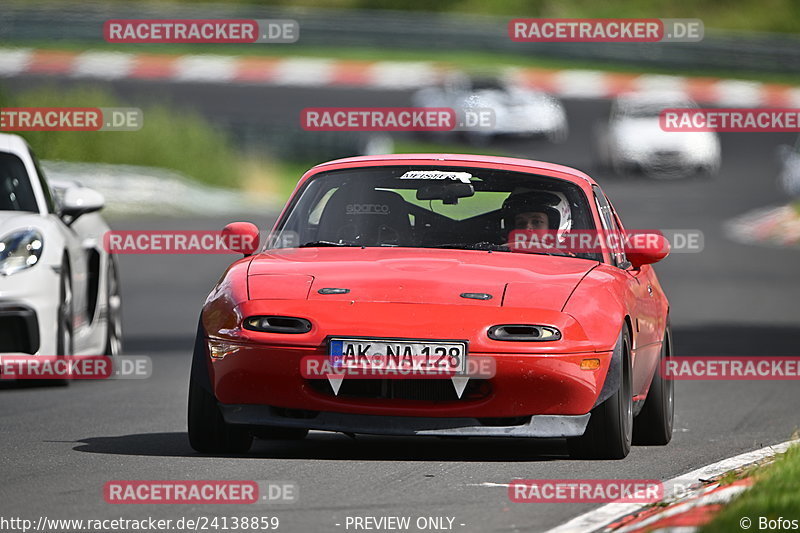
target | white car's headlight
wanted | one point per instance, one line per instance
(19, 250)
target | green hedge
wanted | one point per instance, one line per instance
(169, 138)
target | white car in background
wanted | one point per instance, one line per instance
(633, 142)
(517, 111)
(789, 177)
(59, 290)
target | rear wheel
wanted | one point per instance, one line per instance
(610, 430)
(653, 424)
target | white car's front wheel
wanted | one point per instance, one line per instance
(113, 312)
(64, 344)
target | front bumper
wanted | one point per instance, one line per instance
(523, 385)
(539, 426)
(32, 294)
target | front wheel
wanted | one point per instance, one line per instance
(64, 330)
(610, 430)
(64, 326)
(113, 312)
(208, 431)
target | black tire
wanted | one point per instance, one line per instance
(64, 329)
(208, 432)
(653, 425)
(113, 311)
(64, 340)
(274, 433)
(609, 433)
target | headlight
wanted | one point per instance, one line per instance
(20, 250)
(524, 332)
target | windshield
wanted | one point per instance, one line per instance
(15, 188)
(428, 207)
(650, 108)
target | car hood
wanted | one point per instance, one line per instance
(404, 275)
(14, 220)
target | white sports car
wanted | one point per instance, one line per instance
(59, 290)
(517, 111)
(633, 142)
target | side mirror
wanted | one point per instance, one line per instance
(646, 248)
(241, 237)
(78, 201)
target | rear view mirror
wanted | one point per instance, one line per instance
(448, 193)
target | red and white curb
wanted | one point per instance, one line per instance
(684, 516)
(688, 488)
(776, 226)
(320, 72)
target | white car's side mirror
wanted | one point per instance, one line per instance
(78, 201)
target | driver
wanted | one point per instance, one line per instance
(531, 210)
(536, 211)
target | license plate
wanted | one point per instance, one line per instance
(418, 356)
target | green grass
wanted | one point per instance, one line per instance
(175, 140)
(469, 61)
(776, 493)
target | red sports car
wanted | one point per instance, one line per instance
(405, 295)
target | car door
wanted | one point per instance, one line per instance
(638, 297)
